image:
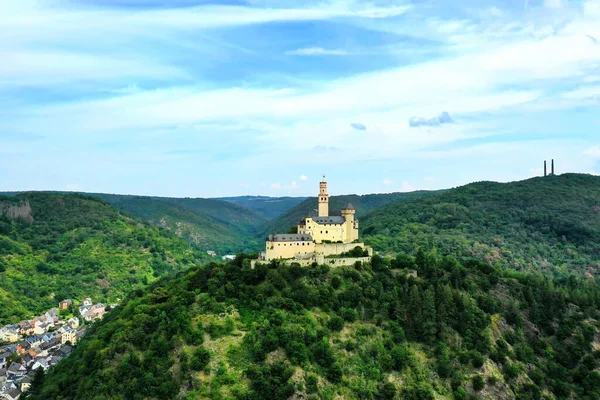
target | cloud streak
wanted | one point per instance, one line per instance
(443, 118)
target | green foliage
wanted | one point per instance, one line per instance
(549, 225)
(271, 333)
(200, 359)
(75, 247)
(208, 224)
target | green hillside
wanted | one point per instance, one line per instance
(207, 224)
(542, 224)
(461, 330)
(268, 207)
(362, 203)
(55, 246)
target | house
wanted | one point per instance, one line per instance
(12, 394)
(211, 253)
(26, 328)
(41, 362)
(87, 302)
(73, 322)
(69, 336)
(23, 347)
(16, 370)
(10, 333)
(51, 316)
(98, 311)
(45, 348)
(64, 351)
(228, 257)
(65, 304)
(27, 360)
(34, 340)
(25, 383)
(3, 359)
(85, 312)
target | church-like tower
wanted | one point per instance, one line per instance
(323, 199)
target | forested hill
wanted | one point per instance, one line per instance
(362, 203)
(268, 207)
(461, 330)
(55, 246)
(207, 224)
(543, 224)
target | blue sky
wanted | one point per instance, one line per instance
(203, 98)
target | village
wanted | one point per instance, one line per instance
(41, 342)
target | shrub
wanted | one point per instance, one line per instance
(200, 359)
(478, 383)
(335, 323)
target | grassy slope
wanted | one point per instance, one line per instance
(76, 247)
(550, 223)
(268, 207)
(362, 203)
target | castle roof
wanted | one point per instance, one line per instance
(349, 206)
(289, 237)
(334, 220)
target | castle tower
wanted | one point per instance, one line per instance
(323, 199)
(351, 225)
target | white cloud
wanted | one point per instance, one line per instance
(387, 182)
(429, 179)
(276, 185)
(316, 51)
(593, 152)
(303, 177)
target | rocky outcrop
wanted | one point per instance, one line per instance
(21, 210)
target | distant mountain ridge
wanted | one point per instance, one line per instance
(268, 207)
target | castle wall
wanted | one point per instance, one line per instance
(333, 249)
(332, 262)
(276, 250)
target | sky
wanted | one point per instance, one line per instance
(262, 97)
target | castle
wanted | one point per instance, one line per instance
(319, 237)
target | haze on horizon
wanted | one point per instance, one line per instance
(261, 97)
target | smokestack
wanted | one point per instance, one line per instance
(545, 169)
(553, 166)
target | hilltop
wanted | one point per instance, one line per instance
(547, 224)
(55, 246)
(460, 329)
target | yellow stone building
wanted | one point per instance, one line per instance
(318, 236)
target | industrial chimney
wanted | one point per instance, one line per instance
(552, 167)
(545, 169)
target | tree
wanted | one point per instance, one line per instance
(200, 359)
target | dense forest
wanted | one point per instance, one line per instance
(207, 224)
(54, 247)
(461, 329)
(549, 224)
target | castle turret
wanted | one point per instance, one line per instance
(323, 199)
(351, 224)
